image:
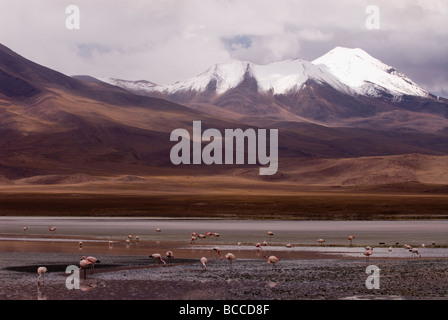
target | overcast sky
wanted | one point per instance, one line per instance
(168, 40)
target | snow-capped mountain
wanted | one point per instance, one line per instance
(342, 85)
(277, 77)
(366, 75)
(351, 71)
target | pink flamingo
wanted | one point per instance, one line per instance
(321, 241)
(41, 271)
(230, 257)
(204, 263)
(84, 264)
(273, 260)
(92, 261)
(415, 252)
(218, 251)
(368, 253)
(169, 255)
(157, 256)
(24, 229)
(350, 238)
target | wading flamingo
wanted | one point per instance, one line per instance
(84, 264)
(415, 252)
(350, 238)
(368, 253)
(40, 272)
(321, 241)
(204, 263)
(273, 260)
(230, 257)
(169, 255)
(218, 251)
(157, 256)
(92, 261)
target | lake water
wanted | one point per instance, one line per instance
(302, 233)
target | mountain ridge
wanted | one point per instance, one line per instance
(327, 91)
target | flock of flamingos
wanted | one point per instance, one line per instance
(89, 262)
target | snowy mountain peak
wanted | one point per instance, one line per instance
(277, 77)
(367, 75)
(351, 71)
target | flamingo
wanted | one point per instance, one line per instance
(169, 255)
(368, 253)
(258, 246)
(289, 245)
(92, 261)
(218, 251)
(270, 234)
(408, 247)
(84, 264)
(208, 234)
(158, 230)
(350, 238)
(24, 229)
(41, 271)
(321, 241)
(52, 229)
(157, 256)
(204, 263)
(415, 252)
(216, 234)
(230, 257)
(264, 243)
(137, 238)
(390, 249)
(111, 244)
(193, 238)
(80, 244)
(273, 260)
(201, 236)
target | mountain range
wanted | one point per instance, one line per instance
(343, 88)
(331, 114)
